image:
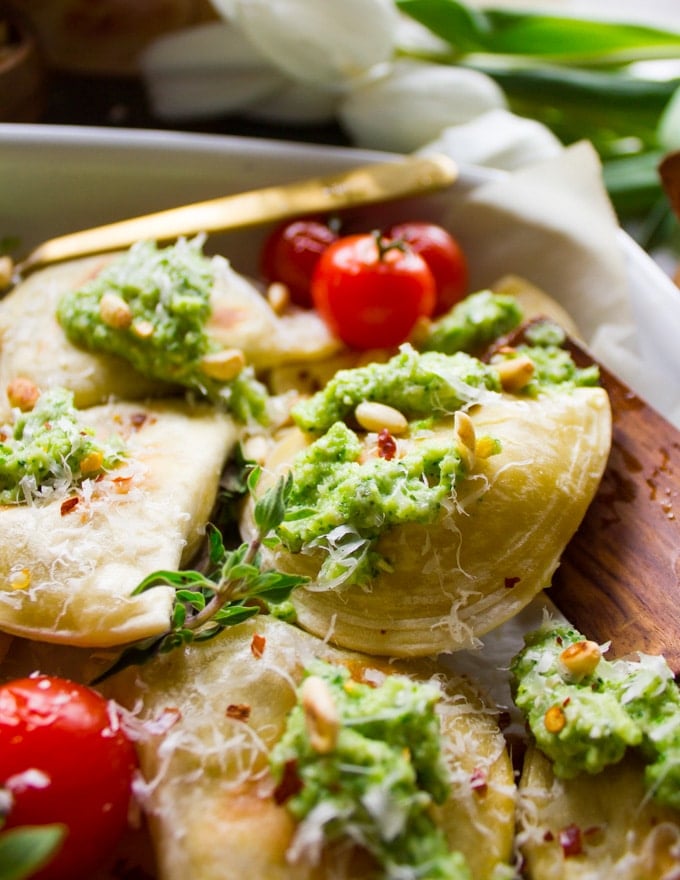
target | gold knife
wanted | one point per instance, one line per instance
(363, 185)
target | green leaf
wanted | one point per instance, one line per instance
(216, 545)
(179, 616)
(176, 579)
(633, 183)
(270, 509)
(193, 598)
(275, 586)
(233, 614)
(534, 34)
(25, 849)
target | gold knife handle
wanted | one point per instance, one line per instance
(366, 184)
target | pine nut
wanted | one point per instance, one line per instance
(20, 579)
(223, 365)
(581, 658)
(515, 373)
(554, 719)
(22, 393)
(278, 297)
(373, 416)
(6, 271)
(143, 329)
(465, 429)
(321, 714)
(114, 311)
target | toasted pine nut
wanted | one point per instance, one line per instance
(465, 429)
(91, 463)
(223, 365)
(20, 579)
(278, 297)
(143, 329)
(581, 658)
(22, 393)
(554, 719)
(114, 311)
(6, 271)
(515, 373)
(321, 714)
(373, 416)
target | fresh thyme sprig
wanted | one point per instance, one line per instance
(234, 589)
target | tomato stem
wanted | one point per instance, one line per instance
(385, 245)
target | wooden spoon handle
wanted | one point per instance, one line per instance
(619, 578)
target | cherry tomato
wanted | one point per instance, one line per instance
(443, 255)
(63, 758)
(371, 292)
(290, 254)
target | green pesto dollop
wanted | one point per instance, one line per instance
(473, 323)
(343, 505)
(554, 365)
(49, 449)
(377, 783)
(168, 293)
(618, 705)
(419, 385)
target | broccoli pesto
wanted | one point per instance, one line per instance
(365, 764)
(48, 448)
(473, 323)
(418, 385)
(585, 711)
(341, 503)
(151, 306)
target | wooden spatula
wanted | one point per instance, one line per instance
(619, 578)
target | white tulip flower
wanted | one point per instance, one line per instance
(205, 70)
(322, 42)
(412, 102)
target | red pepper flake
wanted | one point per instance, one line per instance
(257, 645)
(290, 783)
(238, 711)
(570, 841)
(68, 505)
(387, 445)
(478, 781)
(548, 837)
(137, 419)
(511, 582)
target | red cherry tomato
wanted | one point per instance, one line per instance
(371, 292)
(63, 758)
(291, 252)
(443, 255)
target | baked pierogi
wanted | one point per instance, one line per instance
(431, 501)
(148, 321)
(268, 753)
(75, 546)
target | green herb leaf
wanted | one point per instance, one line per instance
(271, 507)
(204, 606)
(177, 579)
(25, 849)
(532, 34)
